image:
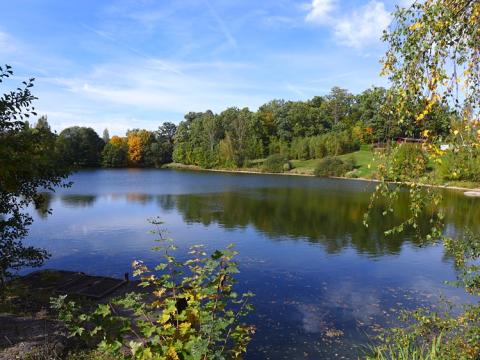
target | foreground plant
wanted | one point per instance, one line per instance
(184, 310)
(453, 333)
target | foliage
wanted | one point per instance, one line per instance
(161, 148)
(433, 55)
(141, 148)
(274, 163)
(115, 153)
(226, 153)
(406, 162)
(463, 164)
(432, 63)
(408, 349)
(334, 166)
(334, 124)
(29, 162)
(138, 142)
(451, 334)
(187, 310)
(80, 146)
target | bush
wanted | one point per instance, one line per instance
(287, 166)
(463, 164)
(187, 310)
(274, 163)
(334, 166)
(407, 161)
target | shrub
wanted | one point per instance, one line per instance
(407, 161)
(462, 164)
(274, 163)
(187, 310)
(333, 166)
(287, 166)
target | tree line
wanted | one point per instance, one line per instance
(329, 125)
(81, 147)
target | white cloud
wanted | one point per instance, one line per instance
(363, 26)
(320, 11)
(360, 27)
(110, 93)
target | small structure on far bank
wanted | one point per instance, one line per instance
(472, 193)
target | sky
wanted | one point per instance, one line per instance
(124, 64)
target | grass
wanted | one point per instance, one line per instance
(364, 158)
(366, 167)
(304, 166)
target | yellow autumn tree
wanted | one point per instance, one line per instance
(134, 149)
(138, 142)
(117, 140)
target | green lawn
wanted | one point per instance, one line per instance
(363, 158)
(366, 167)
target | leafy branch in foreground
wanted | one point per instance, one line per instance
(433, 59)
(184, 310)
(29, 164)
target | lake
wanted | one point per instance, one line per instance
(323, 282)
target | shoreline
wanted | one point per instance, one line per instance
(175, 166)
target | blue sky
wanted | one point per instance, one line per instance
(122, 64)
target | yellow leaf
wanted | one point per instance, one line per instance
(416, 26)
(159, 293)
(184, 327)
(164, 318)
(172, 354)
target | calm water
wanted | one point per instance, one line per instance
(322, 281)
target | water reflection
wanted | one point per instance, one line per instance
(333, 218)
(76, 200)
(43, 204)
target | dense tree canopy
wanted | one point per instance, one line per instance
(140, 148)
(329, 125)
(115, 153)
(80, 146)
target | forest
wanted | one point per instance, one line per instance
(334, 124)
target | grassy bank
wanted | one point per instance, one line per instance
(366, 164)
(364, 158)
